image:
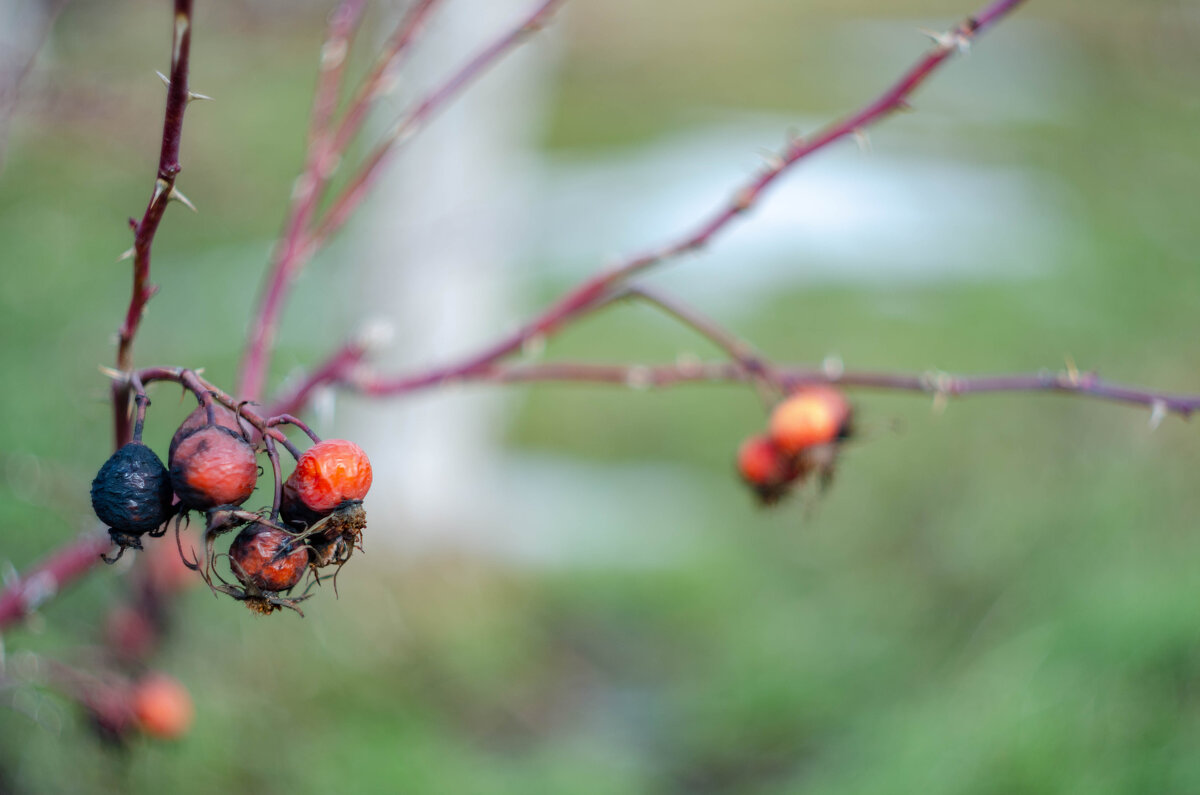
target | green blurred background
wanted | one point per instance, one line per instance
(999, 598)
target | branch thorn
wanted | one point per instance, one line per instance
(863, 140)
(1072, 371)
(1158, 412)
(950, 40)
(161, 186)
(127, 254)
(115, 375)
(177, 195)
(833, 367)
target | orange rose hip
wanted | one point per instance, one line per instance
(163, 707)
(810, 416)
(328, 474)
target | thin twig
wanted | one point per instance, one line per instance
(294, 247)
(599, 288)
(145, 230)
(377, 82)
(47, 579)
(934, 382)
(299, 242)
(351, 197)
(754, 363)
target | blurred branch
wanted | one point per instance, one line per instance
(44, 581)
(599, 288)
(16, 61)
(299, 241)
(164, 191)
(939, 384)
(351, 197)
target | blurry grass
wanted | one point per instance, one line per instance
(1001, 598)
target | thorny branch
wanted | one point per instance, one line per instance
(345, 367)
(599, 288)
(939, 384)
(164, 191)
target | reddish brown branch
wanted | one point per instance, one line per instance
(164, 190)
(294, 247)
(351, 197)
(48, 578)
(934, 383)
(299, 241)
(335, 369)
(600, 287)
(376, 82)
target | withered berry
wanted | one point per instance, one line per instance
(199, 419)
(810, 416)
(328, 474)
(267, 559)
(132, 493)
(213, 466)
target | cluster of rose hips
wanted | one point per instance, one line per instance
(803, 435)
(316, 519)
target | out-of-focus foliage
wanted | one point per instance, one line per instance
(1000, 598)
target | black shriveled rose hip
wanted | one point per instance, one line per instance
(132, 494)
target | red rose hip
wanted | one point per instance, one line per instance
(328, 474)
(766, 468)
(213, 466)
(267, 559)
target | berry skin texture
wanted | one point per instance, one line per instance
(163, 707)
(810, 416)
(199, 419)
(328, 474)
(132, 491)
(267, 559)
(213, 466)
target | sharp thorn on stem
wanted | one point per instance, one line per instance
(160, 187)
(127, 254)
(177, 196)
(1158, 413)
(833, 367)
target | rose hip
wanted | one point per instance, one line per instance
(132, 494)
(213, 466)
(163, 707)
(267, 559)
(810, 416)
(328, 474)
